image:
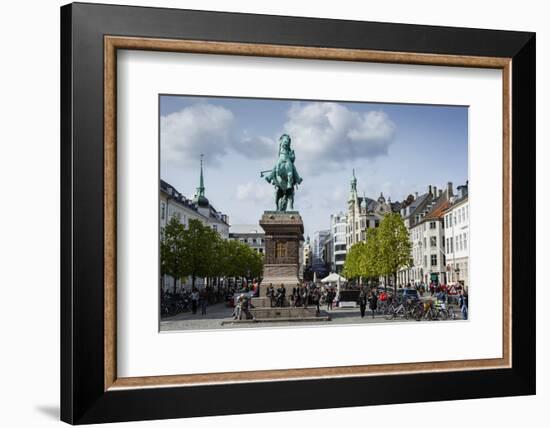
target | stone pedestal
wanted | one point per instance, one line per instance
(284, 231)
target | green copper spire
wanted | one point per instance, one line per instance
(353, 192)
(200, 199)
(200, 189)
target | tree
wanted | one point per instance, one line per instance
(241, 260)
(172, 250)
(363, 258)
(352, 264)
(198, 251)
(200, 243)
(371, 257)
(394, 246)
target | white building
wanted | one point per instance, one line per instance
(338, 227)
(250, 234)
(427, 235)
(457, 234)
(175, 204)
(364, 213)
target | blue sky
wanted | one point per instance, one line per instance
(397, 149)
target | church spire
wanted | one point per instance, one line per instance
(353, 192)
(200, 189)
(200, 199)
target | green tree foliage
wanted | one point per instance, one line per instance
(363, 258)
(172, 250)
(200, 241)
(198, 251)
(385, 250)
(371, 258)
(352, 265)
(394, 245)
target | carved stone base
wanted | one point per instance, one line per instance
(284, 231)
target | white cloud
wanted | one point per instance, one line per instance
(200, 128)
(326, 134)
(255, 146)
(256, 192)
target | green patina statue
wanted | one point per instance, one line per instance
(284, 176)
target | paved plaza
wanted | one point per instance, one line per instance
(220, 312)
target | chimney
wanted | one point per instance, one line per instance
(449, 189)
(430, 189)
(440, 192)
(415, 195)
(435, 191)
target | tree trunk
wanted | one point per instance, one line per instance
(193, 282)
(175, 282)
(395, 283)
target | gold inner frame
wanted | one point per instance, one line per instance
(113, 43)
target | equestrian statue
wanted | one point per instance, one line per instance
(283, 175)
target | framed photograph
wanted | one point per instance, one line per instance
(268, 213)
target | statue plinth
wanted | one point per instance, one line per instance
(284, 231)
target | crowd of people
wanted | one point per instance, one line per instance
(308, 294)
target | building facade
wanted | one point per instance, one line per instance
(457, 237)
(249, 234)
(338, 227)
(364, 213)
(318, 262)
(174, 204)
(427, 235)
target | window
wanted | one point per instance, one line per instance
(424, 241)
(433, 241)
(215, 227)
(253, 240)
(162, 210)
(432, 224)
(451, 250)
(465, 241)
(425, 261)
(280, 249)
(433, 260)
(446, 221)
(447, 246)
(376, 223)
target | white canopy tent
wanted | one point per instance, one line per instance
(334, 278)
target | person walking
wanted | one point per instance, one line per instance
(362, 302)
(373, 303)
(194, 300)
(463, 303)
(270, 294)
(317, 301)
(305, 297)
(281, 293)
(203, 299)
(330, 299)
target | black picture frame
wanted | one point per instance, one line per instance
(83, 398)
